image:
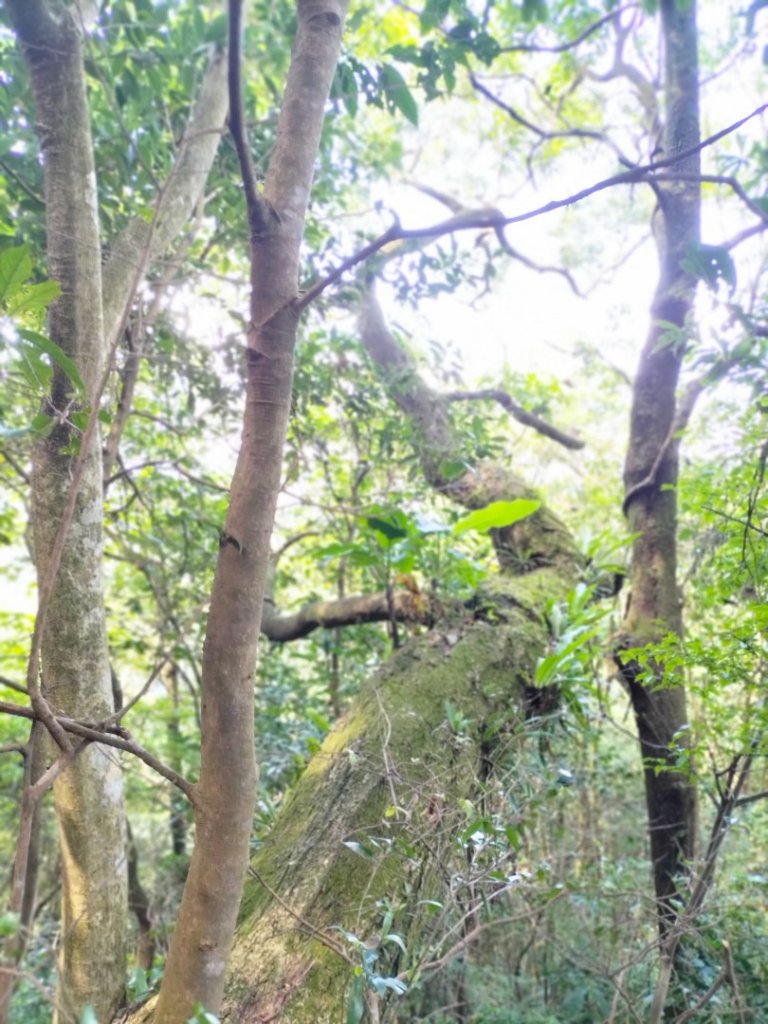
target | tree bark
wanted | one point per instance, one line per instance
(226, 791)
(400, 605)
(392, 778)
(76, 674)
(75, 660)
(650, 477)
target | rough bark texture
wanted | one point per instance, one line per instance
(651, 473)
(75, 659)
(75, 664)
(391, 769)
(390, 773)
(226, 791)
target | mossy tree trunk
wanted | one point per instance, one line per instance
(368, 839)
(75, 669)
(372, 825)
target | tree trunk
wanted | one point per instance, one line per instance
(76, 676)
(651, 473)
(374, 820)
(226, 791)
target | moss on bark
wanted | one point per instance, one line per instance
(389, 780)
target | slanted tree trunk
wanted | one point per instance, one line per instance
(651, 473)
(76, 676)
(392, 777)
(389, 781)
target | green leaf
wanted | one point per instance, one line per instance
(35, 370)
(381, 984)
(88, 1016)
(137, 984)
(42, 424)
(80, 420)
(356, 1004)
(51, 349)
(396, 92)
(548, 668)
(33, 298)
(433, 14)
(709, 263)
(397, 939)
(496, 515)
(452, 470)
(534, 10)
(15, 268)
(202, 1016)
(387, 527)
(344, 88)
(358, 848)
(9, 924)
(216, 30)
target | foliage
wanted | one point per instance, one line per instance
(565, 866)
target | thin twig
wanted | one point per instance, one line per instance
(571, 44)
(306, 925)
(495, 219)
(5, 681)
(111, 736)
(528, 419)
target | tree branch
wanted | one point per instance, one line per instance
(140, 242)
(563, 47)
(528, 419)
(259, 212)
(542, 133)
(404, 605)
(541, 539)
(490, 217)
(112, 736)
(685, 408)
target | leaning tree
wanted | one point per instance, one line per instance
(395, 776)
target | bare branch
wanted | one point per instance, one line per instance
(744, 235)
(752, 798)
(489, 217)
(538, 267)
(404, 605)
(722, 179)
(563, 47)
(5, 681)
(258, 209)
(528, 419)
(14, 748)
(542, 133)
(111, 736)
(16, 466)
(680, 421)
(140, 242)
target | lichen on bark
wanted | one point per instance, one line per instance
(365, 824)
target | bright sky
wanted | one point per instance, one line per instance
(531, 321)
